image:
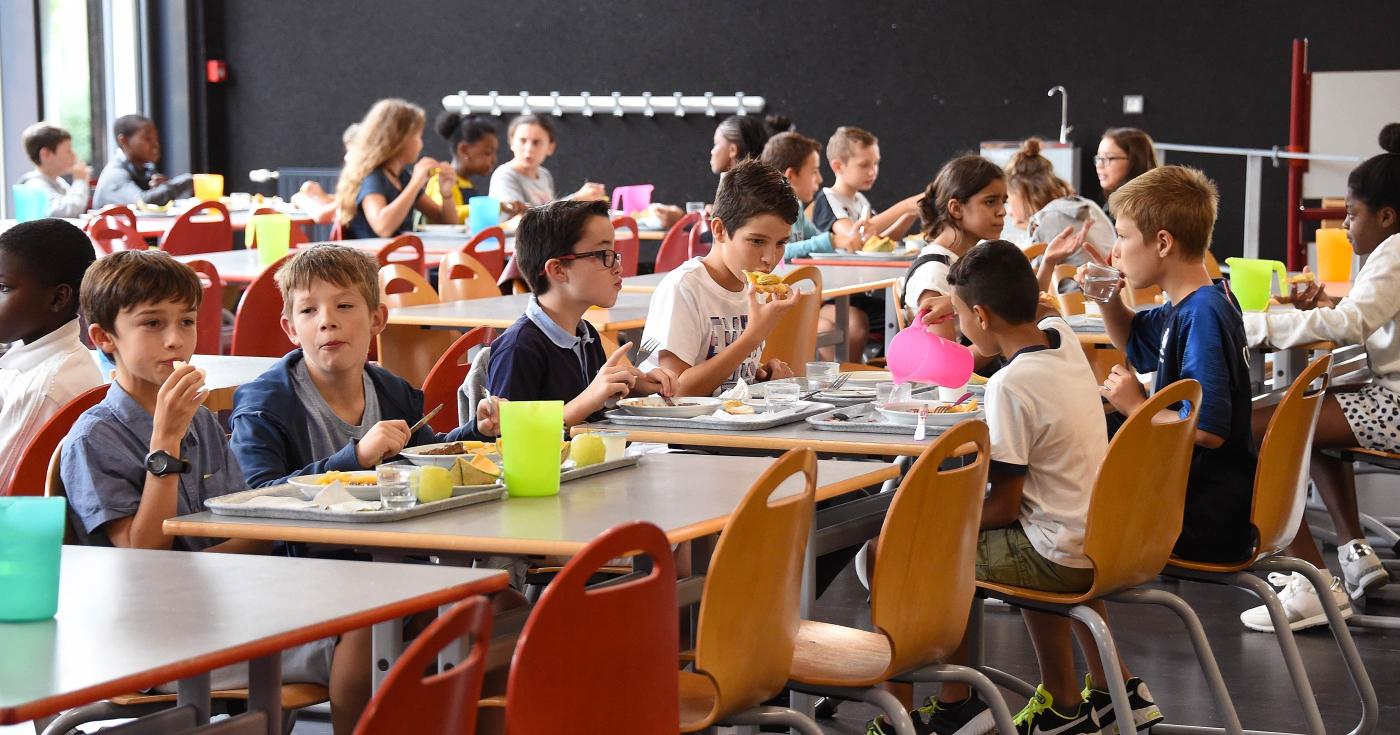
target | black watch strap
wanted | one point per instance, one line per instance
(161, 463)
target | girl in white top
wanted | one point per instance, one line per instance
(524, 181)
(1366, 415)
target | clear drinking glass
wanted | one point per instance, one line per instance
(884, 393)
(1101, 282)
(395, 486)
(781, 394)
(820, 375)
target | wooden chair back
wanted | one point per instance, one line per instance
(205, 228)
(749, 611)
(1035, 250)
(901, 315)
(462, 277)
(1281, 480)
(407, 350)
(794, 339)
(925, 561)
(443, 703)
(257, 325)
(493, 258)
(448, 374)
(1135, 515)
(296, 237)
(565, 681)
(211, 309)
(1212, 265)
(30, 473)
(1138, 296)
(629, 248)
(114, 228)
(675, 247)
(408, 248)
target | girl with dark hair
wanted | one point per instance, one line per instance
(472, 142)
(743, 136)
(1124, 154)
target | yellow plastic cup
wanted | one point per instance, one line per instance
(1251, 281)
(272, 233)
(1334, 255)
(208, 187)
(532, 457)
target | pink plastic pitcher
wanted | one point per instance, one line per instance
(916, 355)
(632, 199)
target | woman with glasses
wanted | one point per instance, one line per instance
(1124, 154)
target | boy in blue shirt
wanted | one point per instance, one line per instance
(151, 451)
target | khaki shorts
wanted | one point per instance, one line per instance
(1005, 555)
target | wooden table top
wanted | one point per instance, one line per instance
(836, 280)
(781, 438)
(499, 312)
(131, 619)
(244, 266)
(660, 489)
(223, 375)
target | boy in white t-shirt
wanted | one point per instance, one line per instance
(708, 325)
(1048, 439)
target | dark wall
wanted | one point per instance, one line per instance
(931, 79)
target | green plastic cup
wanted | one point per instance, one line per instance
(532, 431)
(272, 234)
(31, 546)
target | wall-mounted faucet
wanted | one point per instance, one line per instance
(1064, 111)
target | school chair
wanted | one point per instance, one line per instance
(748, 624)
(695, 243)
(30, 473)
(443, 702)
(493, 258)
(462, 277)
(921, 589)
(1280, 495)
(211, 309)
(600, 659)
(408, 350)
(399, 246)
(794, 338)
(512, 279)
(448, 374)
(257, 323)
(1147, 295)
(205, 228)
(1035, 251)
(630, 248)
(675, 247)
(296, 238)
(1212, 266)
(114, 228)
(1133, 522)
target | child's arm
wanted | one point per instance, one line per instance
(614, 380)
(1003, 504)
(1065, 244)
(1374, 301)
(441, 209)
(878, 223)
(703, 379)
(385, 216)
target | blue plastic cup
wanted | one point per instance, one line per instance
(485, 212)
(31, 547)
(31, 202)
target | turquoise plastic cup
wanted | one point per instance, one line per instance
(484, 212)
(31, 546)
(31, 203)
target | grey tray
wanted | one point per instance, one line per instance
(757, 391)
(597, 469)
(860, 257)
(866, 419)
(1085, 324)
(232, 505)
(766, 421)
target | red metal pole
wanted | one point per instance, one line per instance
(1299, 104)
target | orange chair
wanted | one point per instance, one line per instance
(31, 474)
(198, 231)
(511, 278)
(675, 247)
(443, 703)
(404, 243)
(211, 309)
(495, 259)
(257, 325)
(629, 248)
(297, 236)
(794, 339)
(114, 228)
(440, 387)
(407, 350)
(462, 277)
(628, 654)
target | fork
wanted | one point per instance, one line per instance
(835, 385)
(647, 349)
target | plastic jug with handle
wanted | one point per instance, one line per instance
(632, 199)
(31, 547)
(31, 202)
(917, 355)
(1251, 281)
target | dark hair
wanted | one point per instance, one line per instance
(749, 134)
(53, 252)
(997, 276)
(752, 188)
(1377, 180)
(550, 231)
(129, 125)
(540, 121)
(42, 135)
(789, 151)
(127, 278)
(1142, 157)
(457, 128)
(960, 179)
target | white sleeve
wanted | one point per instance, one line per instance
(675, 322)
(931, 276)
(504, 186)
(1011, 425)
(1374, 301)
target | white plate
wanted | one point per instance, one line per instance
(415, 455)
(443, 228)
(908, 413)
(845, 394)
(686, 407)
(308, 487)
(868, 376)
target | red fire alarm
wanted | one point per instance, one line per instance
(216, 70)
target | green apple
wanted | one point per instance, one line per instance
(587, 449)
(434, 483)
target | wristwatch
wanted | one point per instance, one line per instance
(161, 463)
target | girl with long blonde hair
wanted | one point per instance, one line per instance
(383, 179)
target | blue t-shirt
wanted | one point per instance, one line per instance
(529, 364)
(1202, 338)
(377, 182)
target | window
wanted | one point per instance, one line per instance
(66, 71)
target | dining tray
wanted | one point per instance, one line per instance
(867, 420)
(760, 421)
(233, 505)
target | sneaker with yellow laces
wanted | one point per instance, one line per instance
(1039, 717)
(1146, 713)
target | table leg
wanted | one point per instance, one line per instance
(843, 328)
(1256, 372)
(386, 644)
(265, 690)
(453, 653)
(194, 691)
(1288, 365)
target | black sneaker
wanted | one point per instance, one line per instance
(1146, 713)
(968, 717)
(1040, 718)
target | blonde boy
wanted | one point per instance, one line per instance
(854, 155)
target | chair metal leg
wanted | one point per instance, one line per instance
(978, 680)
(887, 703)
(1288, 646)
(1108, 654)
(69, 720)
(781, 716)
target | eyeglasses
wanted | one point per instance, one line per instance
(1105, 160)
(608, 258)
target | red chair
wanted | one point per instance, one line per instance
(512, 278)
(257, 325)
(494, 260)
(198, 231)
(462, 277)
(114, 228)
(443, 703)
(629, 248)
(297, 236)
(675, 247)
(697, 247)
(211, 309)
(32, 472)
(337, 231)
(447, 375)
(404, 243)
(621, 675)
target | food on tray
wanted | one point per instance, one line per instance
(462, 447)
(587, 449)
(645, 402)
(435, 483)
(878, 245)
(345, 478)
(968, 407)
(737, 408)
(480, 470)
(767, 283)
(976, 380)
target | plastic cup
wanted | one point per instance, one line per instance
(884, 393)
(919, 356)
(31, 203)
(781, 394)
(1101, 282)
(208, 187)
(31, 549)
(632, 199)
(271, 234)
(820, 375)
(483, 212)
(951, 395)
(395, 486)
(1334, 255)
(1251, 281)
(614, 444)
(535, 429)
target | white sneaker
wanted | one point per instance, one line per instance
(1300, 604)
(1361, 568)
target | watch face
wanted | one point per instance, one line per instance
(158, 463)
